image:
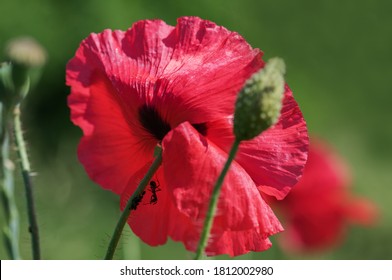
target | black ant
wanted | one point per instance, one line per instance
(137, 200)
(154, 188)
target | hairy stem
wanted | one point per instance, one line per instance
(127, 210)
(25, 168)
(214, 202)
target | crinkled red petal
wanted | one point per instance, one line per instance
(191, 165)
(207, 68)
(235, 243)
(109, 150)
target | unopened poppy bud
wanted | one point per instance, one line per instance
(27, 57)
(260, 101)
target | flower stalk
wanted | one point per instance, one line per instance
(26, 174)
(130, 204)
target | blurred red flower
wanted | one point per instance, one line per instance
(156, 83)
(319, 207)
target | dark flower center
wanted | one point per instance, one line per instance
(157, 126)
(152, 122)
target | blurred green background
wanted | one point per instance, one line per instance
(338, 54)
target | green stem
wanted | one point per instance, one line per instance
(127, 210)
(25, 166)
(214, 202)
(11, 230)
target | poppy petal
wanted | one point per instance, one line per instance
(109, 150)
(208, 66)
(236, 243)
(191, 165)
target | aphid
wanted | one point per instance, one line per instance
(154, 188)
(137, 200)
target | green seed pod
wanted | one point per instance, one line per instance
(260, 101)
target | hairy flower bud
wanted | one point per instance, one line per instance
(26, 57)
(260, 101)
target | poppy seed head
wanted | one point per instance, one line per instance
(259, 103)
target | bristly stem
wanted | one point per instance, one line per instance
(127, 210)
(25, 168)
(214, 202)
(11, 230)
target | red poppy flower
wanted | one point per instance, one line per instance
(318, 208)
(177, 86)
